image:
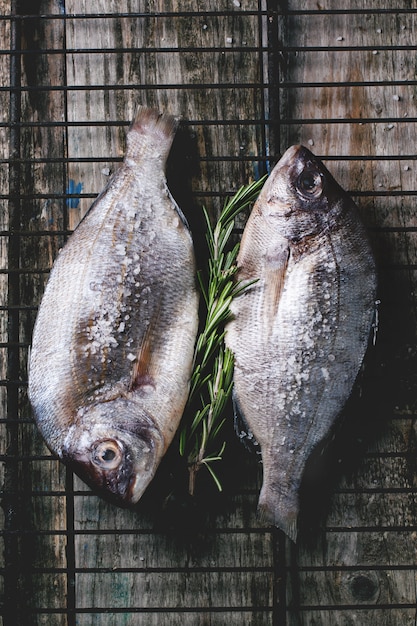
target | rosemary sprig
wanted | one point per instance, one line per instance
(211, 381)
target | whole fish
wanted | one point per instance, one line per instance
(300, 332)
(114, 337)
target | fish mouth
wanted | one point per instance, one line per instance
(294, 153)
(298, 152)
(296, 159)
(143, 470)
(136, 487)
(112, 470)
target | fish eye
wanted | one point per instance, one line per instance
(309, 183)
(107, 454)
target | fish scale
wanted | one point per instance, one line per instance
(300, 331)
(114, 337)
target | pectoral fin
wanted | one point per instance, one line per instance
(242, 429)
(273, 280)
(143, 376)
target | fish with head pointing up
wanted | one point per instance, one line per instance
(113, 341)
(300, 330)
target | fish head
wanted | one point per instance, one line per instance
(302, 193)
(115, 449)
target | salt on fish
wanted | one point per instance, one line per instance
(113, 341)
(300, 330)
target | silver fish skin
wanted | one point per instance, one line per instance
(299, 334)
(113, 341)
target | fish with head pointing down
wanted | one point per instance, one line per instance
(300, 331)
(114, 337)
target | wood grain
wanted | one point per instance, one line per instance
(345, 111)
(212, 561)
(32, 175)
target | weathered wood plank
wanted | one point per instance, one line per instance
(376, 497)
(371, 587)
(194, 79)
(354, 615)
(188, 590)
(4, 250)
(165, 80)
(372, 549)
(4, 189)
(231, 510)
(370, 29)
(148, 550)
(348, 5)
(37, 176)
(197, 618)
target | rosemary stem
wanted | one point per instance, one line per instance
(213, 366)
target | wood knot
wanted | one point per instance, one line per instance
(362, 587)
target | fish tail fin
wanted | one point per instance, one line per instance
(281, 511)
(150, 133)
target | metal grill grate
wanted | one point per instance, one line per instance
(249, 78)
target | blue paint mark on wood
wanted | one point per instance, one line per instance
(73, 188)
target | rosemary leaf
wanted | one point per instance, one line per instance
(212, 376)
